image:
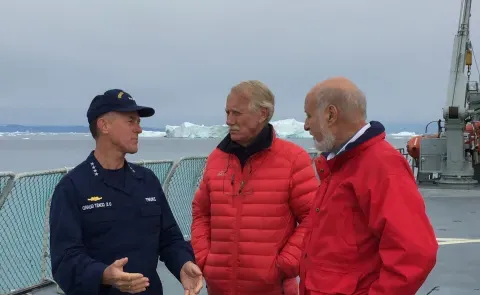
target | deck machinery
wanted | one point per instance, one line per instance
(451, 157)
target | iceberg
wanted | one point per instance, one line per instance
(403, 134)
(190, 130)
(149, 133)
(288, 128)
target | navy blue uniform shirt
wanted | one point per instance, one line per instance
(98, 216)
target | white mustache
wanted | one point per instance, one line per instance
(234, 128)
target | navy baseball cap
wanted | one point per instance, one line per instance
(116, 100)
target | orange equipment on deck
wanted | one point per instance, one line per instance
(473, 131)
(472, 139)
(413, 145)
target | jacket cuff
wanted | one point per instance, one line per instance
(286, 270)
(180, 262)
(93, 277)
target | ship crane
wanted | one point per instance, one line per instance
(451, 157)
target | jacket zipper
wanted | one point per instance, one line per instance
(238, 204)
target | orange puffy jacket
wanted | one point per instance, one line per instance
(244, 229)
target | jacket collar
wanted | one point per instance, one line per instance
(264, 140)
(372, 135)
(99, 172)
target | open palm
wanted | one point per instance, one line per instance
(191, 278)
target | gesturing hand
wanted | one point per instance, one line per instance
(191, 278)
(124, 281)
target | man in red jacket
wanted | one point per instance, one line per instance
(368, 230)
(247, 228)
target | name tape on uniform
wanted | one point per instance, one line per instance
(96, 205)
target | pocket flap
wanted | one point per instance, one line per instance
(331, 282)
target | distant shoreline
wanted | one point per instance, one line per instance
(55, 128)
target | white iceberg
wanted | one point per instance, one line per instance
(403, 134)
(289, 128)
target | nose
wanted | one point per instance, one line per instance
(230, 120)
(306, 127)
(138, 129)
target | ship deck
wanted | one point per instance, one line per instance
(455, 215)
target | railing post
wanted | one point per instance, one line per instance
(8, 187)
(45, 240)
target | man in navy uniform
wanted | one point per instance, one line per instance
(110, 220)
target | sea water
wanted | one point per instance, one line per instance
(43, 152)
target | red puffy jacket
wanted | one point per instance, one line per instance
(368, 229)
(244, 229)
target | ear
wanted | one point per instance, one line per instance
(103, 125)
(263, 115)
(332, 114)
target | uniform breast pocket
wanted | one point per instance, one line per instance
(99, 221)
(151, 216)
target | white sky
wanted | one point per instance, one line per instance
(182, 57)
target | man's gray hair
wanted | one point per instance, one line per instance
(259, 94)
(348, 101)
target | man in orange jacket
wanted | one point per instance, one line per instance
(247, 228)
(368, 230)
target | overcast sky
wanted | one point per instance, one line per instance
(182, 57)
